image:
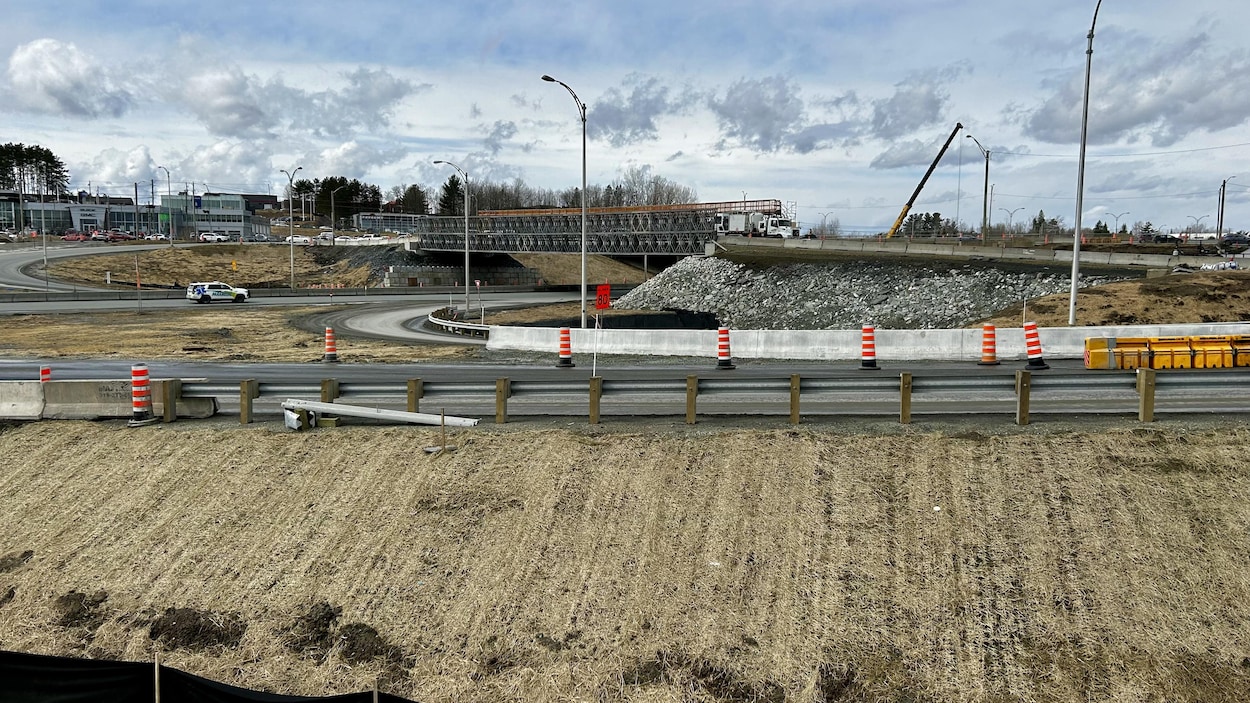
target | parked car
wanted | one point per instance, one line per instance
(256, 238)
(214, 237)
(158, 237)
(208, 291)
(298, 239)
(1166, 239)
(118, 236)
(98, 236)
(1235, 240)
(76, 237)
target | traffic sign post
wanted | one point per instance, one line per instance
(603, 301)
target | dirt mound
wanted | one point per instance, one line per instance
(76, 609)
(313, 632)
(716, 681)
(9, 562)
(197, 630)
(359, 643)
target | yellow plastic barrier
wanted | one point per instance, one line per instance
(1241, 349)
(1212, 352)
(1171, 353)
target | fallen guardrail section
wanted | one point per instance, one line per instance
(1141, 392)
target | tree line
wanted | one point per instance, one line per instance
(32, 169)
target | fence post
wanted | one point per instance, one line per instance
(1023, 382)
(329, 389)
(171, 392)
(416, 391)
(1145, 395)
(904, 398)
(692, 393)
(503, 391)
(795, 417)
(248, 390)
(596, 392)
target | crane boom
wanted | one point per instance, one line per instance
(912, 200)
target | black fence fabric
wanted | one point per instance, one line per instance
(34, 678)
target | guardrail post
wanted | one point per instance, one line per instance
(795, 417)
(172, 391)
(329, 389)
(503, 391)
(692, 393)
(248, 390)
(596, 392)
(904, 398)
(416, 391)
(1023, 383)
(1146, 395)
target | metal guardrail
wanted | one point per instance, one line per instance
(869, 394)
(455, 327)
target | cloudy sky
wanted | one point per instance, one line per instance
(836, 107)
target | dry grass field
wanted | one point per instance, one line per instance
(664, 564)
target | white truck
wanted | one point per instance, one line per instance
(754, 224)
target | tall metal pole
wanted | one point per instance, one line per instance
(290, 220)
(332, 220)
(43, 229)
(1080, 173)
(465, 176)
(1117, 220)
(169, 193)
(581, 109)
(985, 196)
(1219, 232)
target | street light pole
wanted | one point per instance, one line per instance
(823, 231)
(1117, 220)
(1080, 173)
(465, 176)
(581, 109)
(1197, 221)
(290, 220)
(332, 220)
(985, 197)
(1219, 227)
(1011, 215)
(169, 194)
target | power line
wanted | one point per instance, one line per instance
(1127, 156)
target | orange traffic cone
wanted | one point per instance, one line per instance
(140, 396)
(566, 349)
(1033, 346)
(332, 352)
(989, 346)
(869, 356)
(724, 361)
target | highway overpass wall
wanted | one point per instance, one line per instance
(832, 345)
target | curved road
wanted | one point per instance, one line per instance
(391, 317)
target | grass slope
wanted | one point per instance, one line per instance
(679, 565)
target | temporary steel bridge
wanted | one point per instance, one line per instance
(648, 229)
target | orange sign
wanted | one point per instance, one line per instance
(603, 297)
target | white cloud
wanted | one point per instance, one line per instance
(52, 77)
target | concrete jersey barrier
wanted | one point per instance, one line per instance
(835, 345)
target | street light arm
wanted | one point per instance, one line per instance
(581, 106)
(984, 152)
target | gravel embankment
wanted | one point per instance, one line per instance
(843, 296)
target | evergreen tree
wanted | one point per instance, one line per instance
(451, 199)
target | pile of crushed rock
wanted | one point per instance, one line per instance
(843, 295)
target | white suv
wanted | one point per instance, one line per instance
(215, 290)
(214, 237)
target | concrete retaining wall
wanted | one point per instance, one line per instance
(825, 345)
